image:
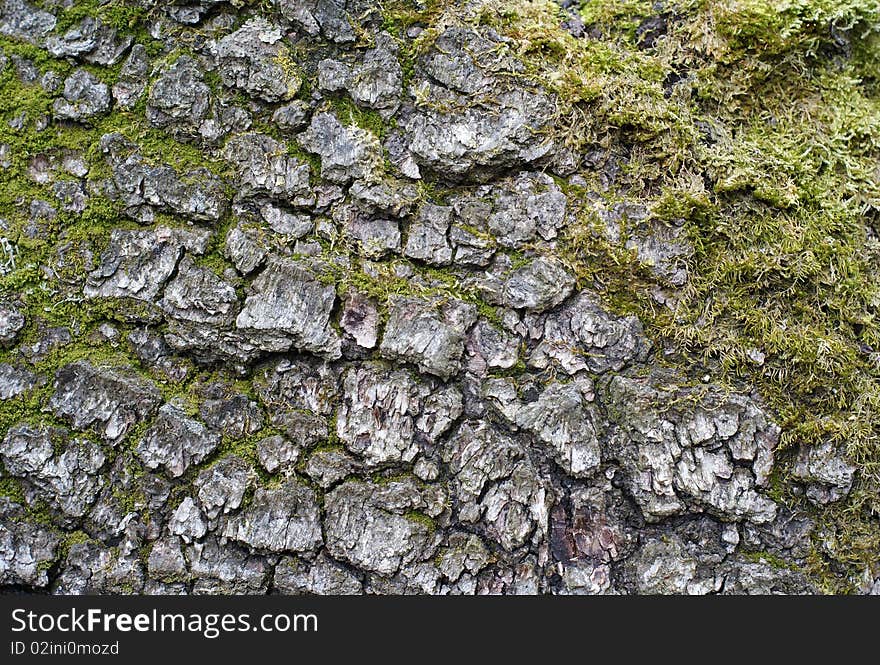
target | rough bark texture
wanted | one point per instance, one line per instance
(342, 297)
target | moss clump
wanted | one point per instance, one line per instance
(401, 16)
(420, 518)
(769, 559)
(382, 281)
(351, 114)
(121, 15)
(10, 488)
(314, 161)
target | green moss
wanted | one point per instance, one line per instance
(383, 282)
(518, 368)
(846, 545)
(39, 56)
(127, 501)
(76, 538)
(245, 448)
(398, 16)
(70, 539)
(45, 566)
(25, 408)
(306, 157)
(119, 14)
(350, 113)
(39, 512)
(769, 559)
(158, 147)
(781, 28)
(420, 518)
(10, 488)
